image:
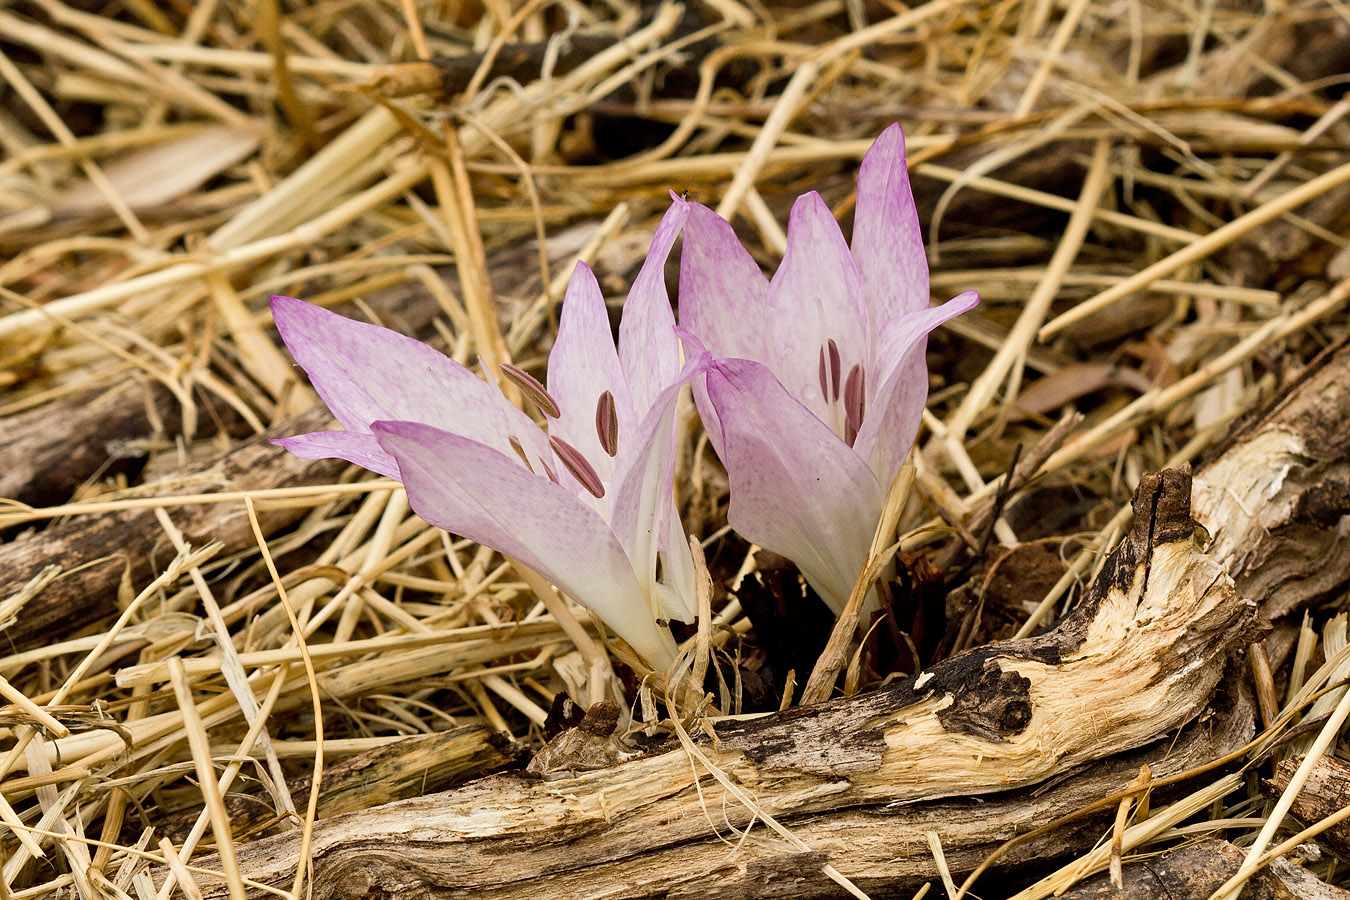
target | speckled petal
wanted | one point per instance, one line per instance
(896, 407)
(474, 491)
(722, 291)
(815, 297)
(796, 488)
(641, 502)
(887, 242)
(583, 365)
(648, 349)
(362, 449)
(367, 373)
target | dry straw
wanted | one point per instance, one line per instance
(1134, 186)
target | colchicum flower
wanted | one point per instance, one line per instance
(587, 504)
(812, 384)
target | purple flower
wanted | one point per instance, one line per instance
(587, 504)
(812, 384)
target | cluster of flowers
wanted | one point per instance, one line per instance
(810, 384)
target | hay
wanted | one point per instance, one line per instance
(1153, 188)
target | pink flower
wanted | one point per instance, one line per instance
(812, 384)
(588, 503)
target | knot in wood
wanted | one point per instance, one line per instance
(1324, 504)
(995, 707)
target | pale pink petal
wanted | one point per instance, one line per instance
(677, 598)
(362, 449)
(796, 488)
(648, 349)
(583, 365)
(887, 243)
(698, 362)
(722, 290)
(472, 490)
(641, 502)
(815, 297)
(896, 407)
(367, 373)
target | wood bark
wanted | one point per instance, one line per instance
(508, 836)
(49, 451)
(407, 768)
(131, 544)
(1127, 678)
(1196, 871)
(1275, 496)
(1297, 883)
(1326, 793)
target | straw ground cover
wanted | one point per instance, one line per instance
(212, 650)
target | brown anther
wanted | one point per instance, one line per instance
(581, 470)
(531, 388)
(855, 403)
(607, 423)
(834, 367)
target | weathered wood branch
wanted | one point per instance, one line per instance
(47, 452)
(508, 836)
(409, 767)
(107, 548)
(1147, 645)
(1276, 498)
(1326, 793)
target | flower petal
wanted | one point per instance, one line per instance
(648, 349)
(583, 365)
(887, 242)
(796, 488)
(723, 293)
(362, 449)
(698, 361)
(641, 508)
(676, 596)
(815, 297)
(897, 404)
(472, 490)
(367, 373)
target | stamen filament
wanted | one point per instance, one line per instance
(607, 423)
(531, 388)
(576, 464)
